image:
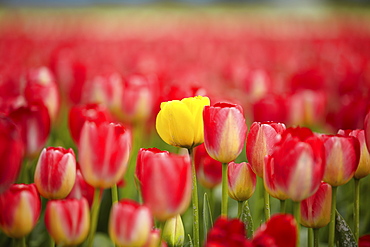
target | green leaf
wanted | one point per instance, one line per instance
(207, 216)
(190, 241)
(343, 234)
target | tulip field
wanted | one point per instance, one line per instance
(166, 125)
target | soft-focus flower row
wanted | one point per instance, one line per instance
(80, 114)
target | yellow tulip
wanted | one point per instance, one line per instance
(180, 123)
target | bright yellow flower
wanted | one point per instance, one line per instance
(180, 123)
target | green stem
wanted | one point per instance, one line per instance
(316, 237)
(94, 217)
(297, 216)
(52, 242)
(224, 190)
(240, 208)
(310, 237)
(161, 227)
(332, 217)
(356, 209)
(282, 206)
(194, 196)
(19, 242)
(266, 204)
(114, 193)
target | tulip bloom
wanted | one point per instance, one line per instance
(78, 115)
(11, 152)
(34, 124)
(103, 153)
(260, 142)
(269, 180)
(367, 130)
(55, 172)
(129, 224)
(68, 220)
(20, 208)
(173, 231)
(180, 123)
(315, 210)
(165, 181)
(299, 163)
(224, 131)
(342, 158)
(81, 189)
(209, 171)
(241, 181)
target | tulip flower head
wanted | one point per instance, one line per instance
(342, 158)
(315, 210)
(103, 153)
(68, 221)
(55, 172)
(173, 232)
(261, 139)
(165, 182)
(180, 123)
(224, 131)
(20, 208)
(299, 163)
(367, 130)
(269, 179)
(11, 152)
(81, 189)
(241, 181)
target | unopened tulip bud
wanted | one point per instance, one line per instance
(68, 221)
(129, 224)
(224, 131)
(180, 123)
(242, 181)
(315, 210)
(20, 208)
(173, 232)
(55, 172)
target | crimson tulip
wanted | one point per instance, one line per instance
(20, 208)
(79, 114)
(11, 152)
(209, 170)
(165, 182)
(224, 131)
(129, 223)
(103, 153)
(68, 220)
(261, 139)
(299, 163)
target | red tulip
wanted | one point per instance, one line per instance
(20, 208)
(241, 181)
(367, 130)
(34, 124)
(260, 142)
(11, 152)
(224, 131)
(363, 168)
(41, 87)
(78, 115)
(68, 220)
(299, 163)
(81, 189)
(55, 172)
(129, 224)
(270, 108)
(315, 210)
(103, 153)
(165, 180)
(209, 171)
(342, 157)
(269, 180)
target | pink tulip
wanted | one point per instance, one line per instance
(299, 163)
(165, 182)
(315, 210)
(68, 220)
(130, 224)
(11, 152)
(103, 153)
(342, 158)
(20, 208)
(260, 142)
(241, 181)
(224, 131)
(55, 172)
